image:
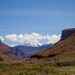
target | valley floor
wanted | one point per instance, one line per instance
(35, 69)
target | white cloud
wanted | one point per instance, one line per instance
(32, 39)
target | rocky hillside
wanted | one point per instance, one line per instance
(63, 50)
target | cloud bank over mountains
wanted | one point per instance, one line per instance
(30, 39)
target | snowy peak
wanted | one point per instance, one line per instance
(30, 39)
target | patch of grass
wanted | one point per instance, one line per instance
(35, 69)
(3, 66)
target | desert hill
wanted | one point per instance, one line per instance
(63, 50)
(18, 53)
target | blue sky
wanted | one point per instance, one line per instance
(42, 16)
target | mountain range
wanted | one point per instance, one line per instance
(19, 52)
(62, 51)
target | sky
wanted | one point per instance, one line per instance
(36, 16)
(42, 16)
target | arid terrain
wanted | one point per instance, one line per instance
(58, 60)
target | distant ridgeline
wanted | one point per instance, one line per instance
(67, 32)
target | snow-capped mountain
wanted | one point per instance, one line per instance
(24, 45)
(27, 51)
(30, 39)
(20, 51)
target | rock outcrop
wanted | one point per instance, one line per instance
(64, 45)
(67, 32)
